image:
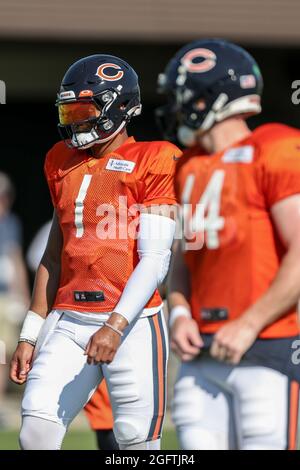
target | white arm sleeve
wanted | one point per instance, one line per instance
(154, 248)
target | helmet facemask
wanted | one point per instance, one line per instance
(166, 116)
(200, 113)
(102, 118)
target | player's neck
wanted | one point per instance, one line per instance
(225, 134)
(100, 150)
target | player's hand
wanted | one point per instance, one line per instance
(186, 341)
(21, 363)
(232, 340)
(103, 345)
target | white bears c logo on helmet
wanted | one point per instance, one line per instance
(112, 78)
(205, 65)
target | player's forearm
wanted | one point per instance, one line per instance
(45, 286)
(177, 298)
(282, 295)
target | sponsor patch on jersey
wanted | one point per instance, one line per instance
(114, 164)
(247, 81)
(239, 155)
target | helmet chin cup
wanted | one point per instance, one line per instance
(186, 136)
(85, 140)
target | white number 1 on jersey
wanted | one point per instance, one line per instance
(79, 205)
(210, 204)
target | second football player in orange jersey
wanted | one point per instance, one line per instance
(236, 278)
(236, 188)
(107, 253)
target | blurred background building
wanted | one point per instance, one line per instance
(39, 39)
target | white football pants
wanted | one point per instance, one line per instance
(218, 407)
(61, 382)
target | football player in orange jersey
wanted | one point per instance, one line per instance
(108, 250)
(98, 410)
(239, 281)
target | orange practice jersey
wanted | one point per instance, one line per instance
(98, 410)
(242, 250)
(97, 203)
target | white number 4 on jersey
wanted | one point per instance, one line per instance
(207, 213)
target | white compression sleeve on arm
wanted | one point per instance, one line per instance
(154, 248)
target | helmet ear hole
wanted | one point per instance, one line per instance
(123, 105)
(200, 105)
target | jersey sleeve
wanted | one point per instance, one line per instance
(159, 178)
(49, 174)
(280, 171)
(177, 182)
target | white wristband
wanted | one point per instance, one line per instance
(31, 327)
(178, 311)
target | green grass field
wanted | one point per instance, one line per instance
(79, 440)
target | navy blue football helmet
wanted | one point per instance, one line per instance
(99, 94)
(206, 82)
